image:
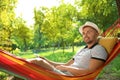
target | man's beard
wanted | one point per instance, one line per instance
(88, 41)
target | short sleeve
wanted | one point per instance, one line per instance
(77, 53)
(99, 52)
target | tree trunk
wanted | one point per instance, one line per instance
(118, 6)
(73, 47)
(25, 44)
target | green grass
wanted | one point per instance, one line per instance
(3, 76)
(110, 72)
(49, 53)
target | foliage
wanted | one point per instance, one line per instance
(3, 76)
(58, 25)
(6, 23)
(102, 12)
(22, 35)
(38, 36)
(54, 27)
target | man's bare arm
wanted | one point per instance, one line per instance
(94, 65)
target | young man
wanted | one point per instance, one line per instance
(85, 61)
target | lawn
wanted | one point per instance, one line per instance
(110, 72)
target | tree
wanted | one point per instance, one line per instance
(22, 34)
(118, 6)
(38, 35)
(102, 12)
(58, 23)
(6, 23)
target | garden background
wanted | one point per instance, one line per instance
(54, 33)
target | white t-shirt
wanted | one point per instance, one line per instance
(82, 57)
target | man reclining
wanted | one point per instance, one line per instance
(85, 61)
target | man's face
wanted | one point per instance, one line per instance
(89, 34)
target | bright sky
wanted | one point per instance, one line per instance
(25, 8)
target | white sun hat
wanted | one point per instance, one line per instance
(90, 24)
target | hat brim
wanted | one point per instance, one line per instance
(94, 27)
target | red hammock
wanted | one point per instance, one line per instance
(23, 69)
